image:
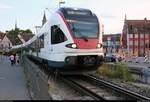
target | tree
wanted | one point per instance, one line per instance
(26, 31)
(13, 33)
(16, 31)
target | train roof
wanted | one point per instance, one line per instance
(74, 8)
(75, 11)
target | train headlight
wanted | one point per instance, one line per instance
(99, 45)
(73, 45)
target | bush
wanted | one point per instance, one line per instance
(118, 70)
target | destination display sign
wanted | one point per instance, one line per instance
(77, 12)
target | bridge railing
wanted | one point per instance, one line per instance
(36, 80)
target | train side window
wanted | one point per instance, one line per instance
(36, 43)
(57, 35)
(41, 41)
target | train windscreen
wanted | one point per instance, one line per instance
(82, 23)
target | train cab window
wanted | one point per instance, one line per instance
(57, 35)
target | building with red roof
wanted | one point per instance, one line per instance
(136, 36)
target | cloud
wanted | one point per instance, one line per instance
(105, 15)
(5, 6)
(111, 12)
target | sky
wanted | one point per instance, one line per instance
(111, 13)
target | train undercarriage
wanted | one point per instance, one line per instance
(71, 65)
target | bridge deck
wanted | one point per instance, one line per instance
(12, 81)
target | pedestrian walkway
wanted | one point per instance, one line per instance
(12, 81)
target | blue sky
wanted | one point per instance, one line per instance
(29, 13)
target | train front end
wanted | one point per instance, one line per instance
(85, 52)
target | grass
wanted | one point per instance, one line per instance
(118, 70)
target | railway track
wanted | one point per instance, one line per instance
(99, 89)
(102, 90)
(118, 89)
(86, 88)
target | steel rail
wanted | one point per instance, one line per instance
(82, 89)
(119, 89)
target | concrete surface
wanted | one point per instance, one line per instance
(12, 81)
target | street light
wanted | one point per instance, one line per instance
(61, 2)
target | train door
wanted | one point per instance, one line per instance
(43, 43)
(45, 49)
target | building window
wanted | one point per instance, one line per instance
(130, 43)
(105, 43)
(135, 35)
(57, 36)
(136, 43)
(141, 35)
(117, 43)
(109, 43)
(142, 43)
(108, 39)
(147, 36)
(130, 35)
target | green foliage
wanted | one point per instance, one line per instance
(16, 31)
(13, 33)
(119, 70)
(28, 31)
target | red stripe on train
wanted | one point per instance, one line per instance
(81, 43)
(90, 44)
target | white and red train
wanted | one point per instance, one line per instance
(71, 40)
